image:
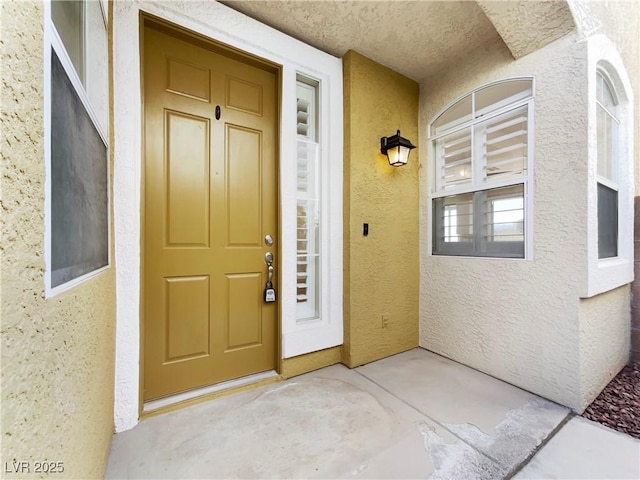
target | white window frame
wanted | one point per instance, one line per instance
(605, 274)
(53, 42)
(476, 117)
(612, 184)
(300, 336)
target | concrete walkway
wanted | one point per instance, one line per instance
(413, 415)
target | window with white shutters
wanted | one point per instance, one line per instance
(308, 202)
(482, 147)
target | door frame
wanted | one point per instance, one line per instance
(224, 25)
(178, 32)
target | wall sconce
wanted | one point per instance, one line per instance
(396, 149)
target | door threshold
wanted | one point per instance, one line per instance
(163, 403)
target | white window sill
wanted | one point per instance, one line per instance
(608, 274)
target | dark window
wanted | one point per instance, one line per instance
(607, 222)
(483, 223)
(79, 184)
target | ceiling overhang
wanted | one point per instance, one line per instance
(415, 38)
(527, 26)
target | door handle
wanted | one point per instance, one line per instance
(268, 259)
(269, 274)
(269, 291)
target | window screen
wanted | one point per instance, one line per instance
(483, 223)
(607, 222)
(79, 184)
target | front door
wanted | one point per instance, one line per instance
(210, 199)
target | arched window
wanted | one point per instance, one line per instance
(482, 146)
(610, 187)
(607, 122)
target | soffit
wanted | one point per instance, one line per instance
(415, 38)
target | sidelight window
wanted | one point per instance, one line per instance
(307, 201)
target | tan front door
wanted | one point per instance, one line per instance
(210, 200)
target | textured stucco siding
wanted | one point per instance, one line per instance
(620, 22)
(291, 367)
(57, 353)
(518, 319)
(381, 269)
(524, 321)
(604, 321)
(528, 26)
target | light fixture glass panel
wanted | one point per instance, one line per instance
(398, 156)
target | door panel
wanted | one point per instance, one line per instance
(244, 319)
(244, 96)
(244, 180)
(187, 318)
(187, 191)
(188, 79)
(210, 198)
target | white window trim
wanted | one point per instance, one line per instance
(305, 336)
(614, 185)
(223, 24)
(52, 41)
(527, 179)
(609, 273)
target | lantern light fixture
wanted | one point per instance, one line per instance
(396, 149)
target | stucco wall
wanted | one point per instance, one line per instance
(518, 319)
(524, 321)
(381, 269)
(57, 353)
(291, 367)
(620, 21)
(602, 353)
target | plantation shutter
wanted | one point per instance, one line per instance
(307, 202)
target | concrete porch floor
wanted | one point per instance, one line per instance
(413, 415)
